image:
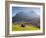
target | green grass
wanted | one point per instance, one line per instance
(17, 27)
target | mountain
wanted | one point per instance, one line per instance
(27, 17)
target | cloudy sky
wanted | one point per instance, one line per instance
(27, 10)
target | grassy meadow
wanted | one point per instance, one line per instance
(17, 27)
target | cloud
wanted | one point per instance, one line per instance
(27, 10)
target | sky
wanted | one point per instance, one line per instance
(27, 10)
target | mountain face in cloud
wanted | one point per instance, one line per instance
(29, 17)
